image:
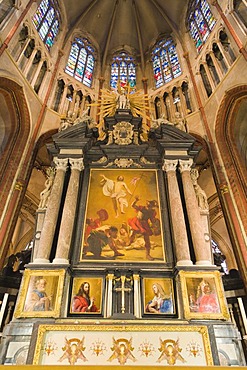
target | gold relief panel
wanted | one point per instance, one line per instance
(132, 345)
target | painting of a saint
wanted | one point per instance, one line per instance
(38, 299)
(122, 220)
(86, 295)
(158, 296)
(202, 297)
(41, 293)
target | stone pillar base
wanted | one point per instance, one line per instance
(204, 263)
(60, 261)
(184, 263)
(40, 261)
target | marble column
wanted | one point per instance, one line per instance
(137, 296)
(68, 217)
(203, 255)
(177, 214)
(50, 221)
(40, 216)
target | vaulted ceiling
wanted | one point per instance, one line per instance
(115, 24)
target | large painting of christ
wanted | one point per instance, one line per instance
(122, 220)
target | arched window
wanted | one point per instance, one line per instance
(240, 8)
(81, 61)
(46, 20)
(5, 7)
(123, 69)
(165, 62)
(200, 22)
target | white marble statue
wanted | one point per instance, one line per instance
(200, 194)
(44, 195)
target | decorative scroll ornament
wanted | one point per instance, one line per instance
(123, 133)
(123, 162)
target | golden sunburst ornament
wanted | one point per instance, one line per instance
(122, 98)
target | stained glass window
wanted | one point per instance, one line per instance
(81, 61)
(165, 62)
(46, 20)
(123, 70)
(200, 22)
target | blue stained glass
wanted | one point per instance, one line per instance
(80, 63)
(87, 80)
(201, 23)
(50, 15)
(165, 62)
(46, 21)
(72, 59)
(123, 70)
(207, 14)
(44, 30)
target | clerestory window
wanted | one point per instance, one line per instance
(200, 22)
(123, 71)
(47, 20)
(166, 65)
(81, 61)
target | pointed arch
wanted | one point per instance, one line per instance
(231, 136)
(15, 128)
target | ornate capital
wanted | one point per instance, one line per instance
(61, 163)
(170, 165)
(110, 276)
(76, 163)
(185, 165)
(136, 277)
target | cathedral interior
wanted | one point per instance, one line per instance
(123, 182)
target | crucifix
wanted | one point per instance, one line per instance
(123, 289)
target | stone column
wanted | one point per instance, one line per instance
(30, 62)
(40, 216)
(68, 217)
(209, 75)
(178, 223)
(36, 74)
(203, 255)
(21, 55)
(48, 230)
(137, 296)
(217, 65)
(172, 108)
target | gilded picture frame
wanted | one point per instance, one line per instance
(114, 345)
(158, 296)
(86, 296)
(123, 219)
(203, 295)
(40, 294)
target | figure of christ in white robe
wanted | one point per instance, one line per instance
(117, 191)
